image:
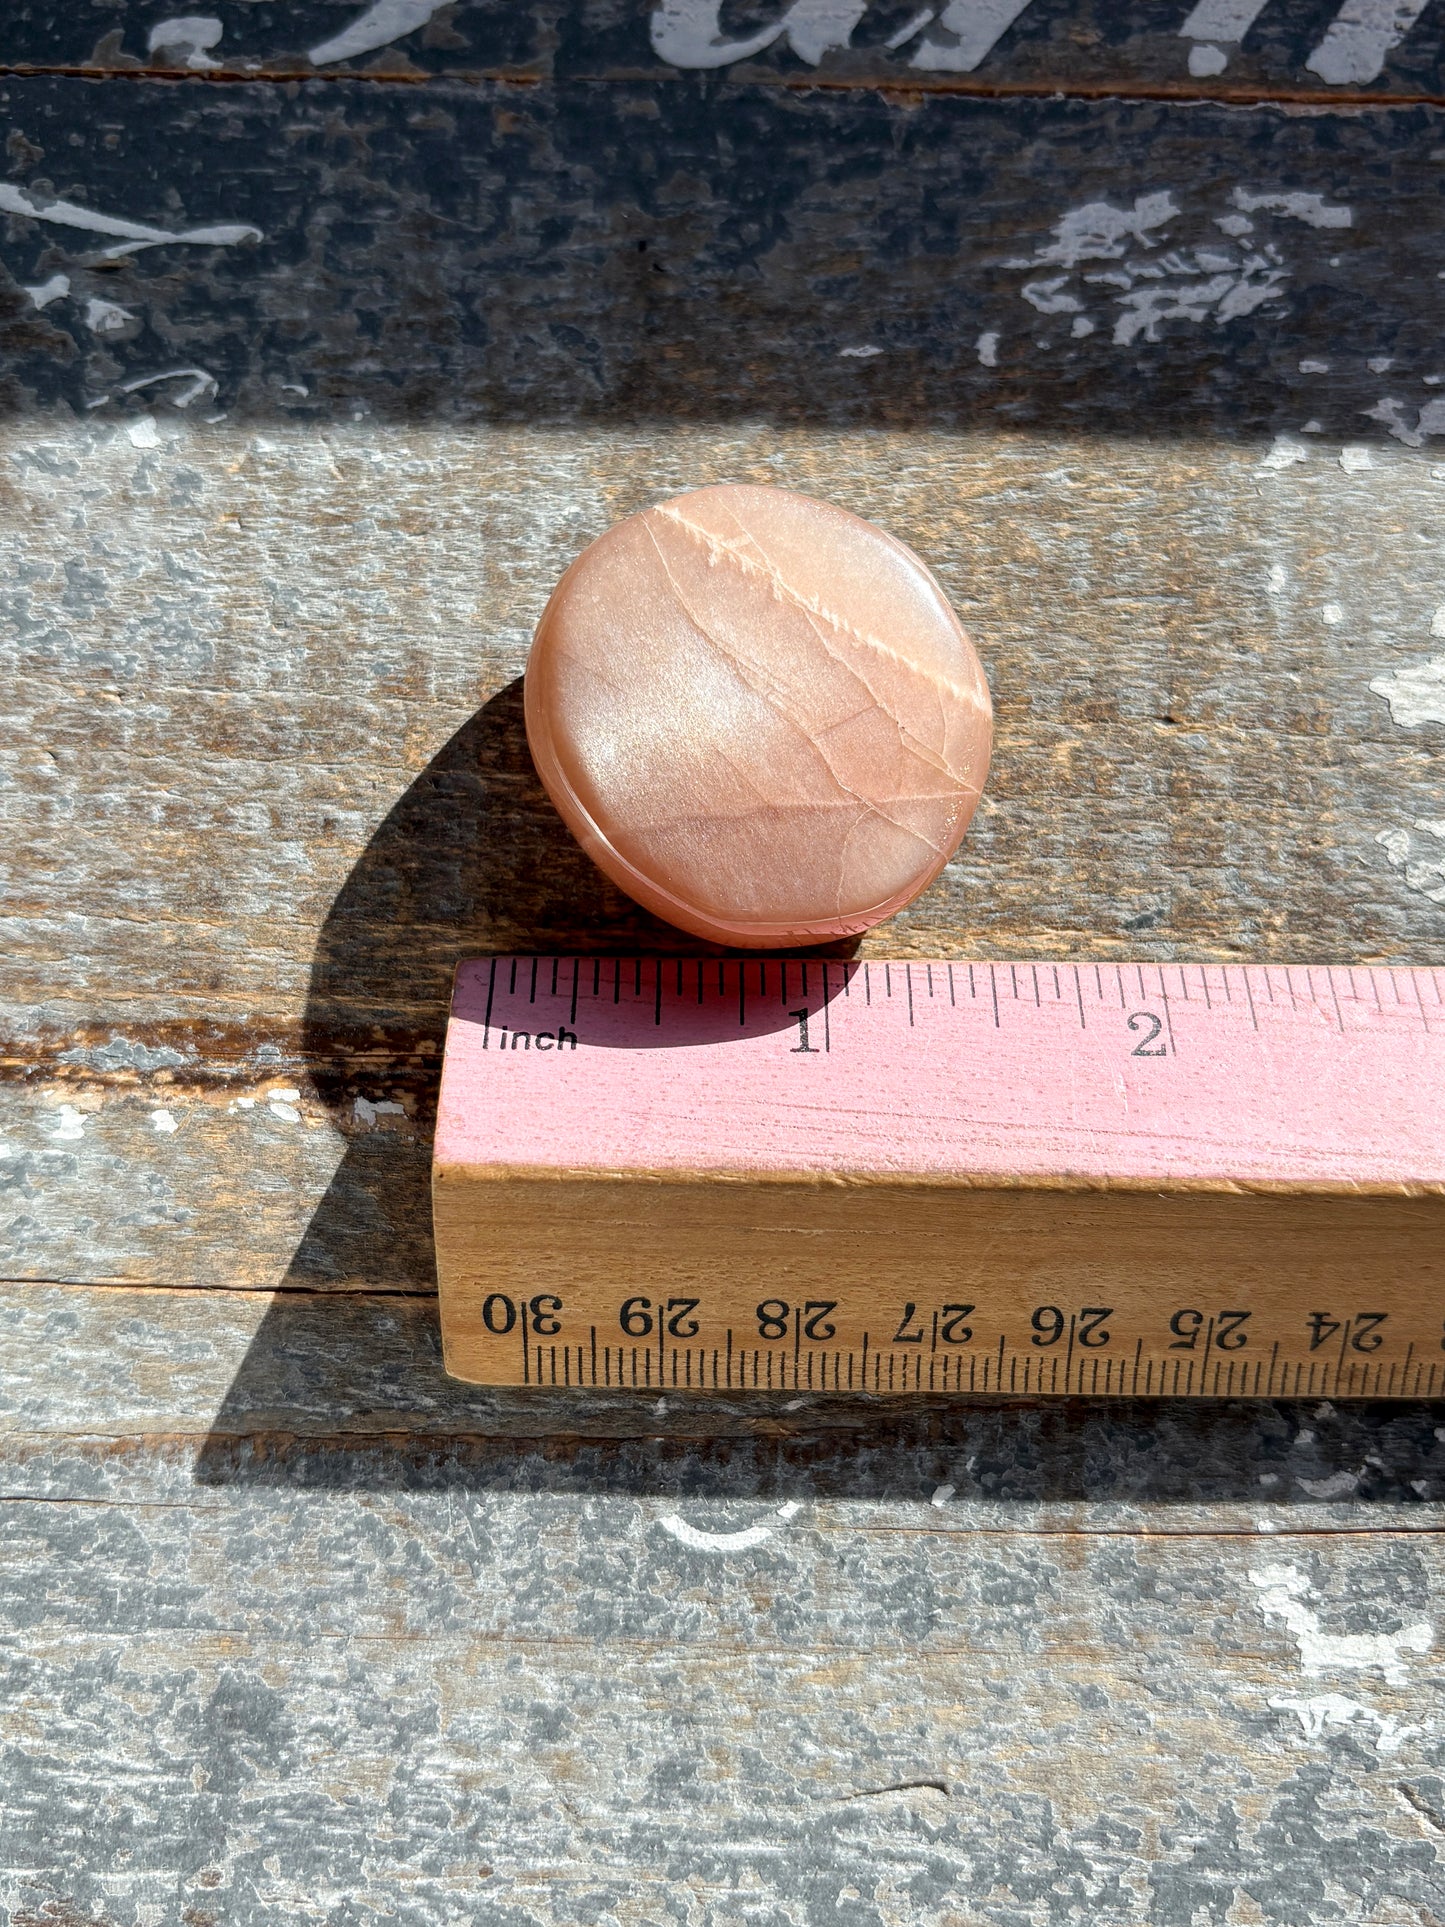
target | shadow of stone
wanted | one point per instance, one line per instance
(472, 859)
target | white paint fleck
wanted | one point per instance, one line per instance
(199, 381)
(1355, 458)
(42, 293)
(192, 34)
(987, 348)
(288, 1113)
(942, 1494)
(1380, 364)
(1313, 209)
(743, 1541)
(380, 24)
(688, 33)
(8, 1151)
(163, 1122)
(1429, 420)
(973, 28)
(1206, 61)
(1046, 296)
(243, 1104)
(1284, 453)
(1313, 428)
(142, 432)
(1424, 869)
(1224, 296)
(1235, 224)
(1326, 1710)
(906, 33)
(1359, 37)
(1314, 367)
(139, 234)
(1277, 581)
(1081, 326)
(1332, 614)
(1337, 1486)
(1416, 694)
(816, 27)
(1099, 231)
(107, 317)
(1269, 1478)
(1284, 1591)
(864, 353)
(365, 1112)
(1437, 621)
(1222, 19)
(69, 1125)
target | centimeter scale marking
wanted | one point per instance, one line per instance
(1028, 1178)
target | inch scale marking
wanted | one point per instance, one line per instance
(900, 1176)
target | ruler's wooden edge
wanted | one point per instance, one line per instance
(447, 1172)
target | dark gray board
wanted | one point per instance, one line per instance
(708, 250)
(1329, 49)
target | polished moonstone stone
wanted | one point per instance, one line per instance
(758, 715)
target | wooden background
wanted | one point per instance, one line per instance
(316, 372)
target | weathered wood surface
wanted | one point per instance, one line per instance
(255, 813)
(290, 1625)
(643, 254)
(1156, 1663)
(1221, 48)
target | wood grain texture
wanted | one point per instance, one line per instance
(715, 251)
(255, 813)
(987, 1663)
(1239, 48)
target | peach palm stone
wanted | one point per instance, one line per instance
(758, 715)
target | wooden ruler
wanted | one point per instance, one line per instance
(1096, 1179)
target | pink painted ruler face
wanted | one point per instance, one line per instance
(1135, 1074)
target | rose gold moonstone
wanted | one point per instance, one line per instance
(758, 715)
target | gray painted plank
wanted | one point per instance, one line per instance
(127, 1393)
(254, 814)
(465, 1678)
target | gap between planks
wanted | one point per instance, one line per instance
(950, 86)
